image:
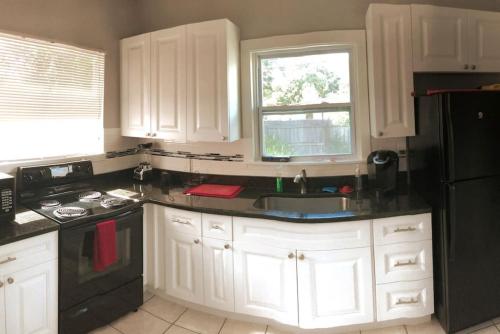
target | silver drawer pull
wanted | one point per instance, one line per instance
(405, 229)
(405, 263)
(217, 227)
(183, 222)
(402, 301)
(9, 259)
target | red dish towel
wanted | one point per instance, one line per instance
(215, 190)
(105, 245)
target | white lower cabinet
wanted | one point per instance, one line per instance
(275, 270)
(266, 282)
(335, 287)
(2, 307)
(218, 274)
(183, 266)
(31, 300)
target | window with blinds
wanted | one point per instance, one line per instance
(51, 99)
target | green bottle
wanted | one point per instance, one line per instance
(279, 184)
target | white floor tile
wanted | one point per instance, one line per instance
(389, 330)
(242, 327)
(272, 330)
(200, 322)
(432, 327)
(178, 330)
(488, 330)
(164, 309)
(147, 296)
(140, 322)
(476, 328)
(105, 330)
(497, 321)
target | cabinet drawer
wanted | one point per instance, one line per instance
(28, 252)
(402, 229)
(217, 226)
(403, 262)
(324, 236)
(405, 299)
(179, 220)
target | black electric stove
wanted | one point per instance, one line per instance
(88, 299)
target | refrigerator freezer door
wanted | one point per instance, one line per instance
(473, 247)
(472, 134)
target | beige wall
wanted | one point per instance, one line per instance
(259, 18)
(96, 24)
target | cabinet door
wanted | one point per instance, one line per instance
(484, 51)
(335, 287)
(135, 86)
(31, 299)
(388, 29)
(2, 305)
(207, 116)
(168, 84)
(218, 274)
(439, 39)
(265, 281)
(184, 267)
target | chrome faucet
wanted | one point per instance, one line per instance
(302, 180)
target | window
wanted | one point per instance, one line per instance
(51, 99)
(307, 96)
(305, 106)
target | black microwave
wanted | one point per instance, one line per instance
(7, 198)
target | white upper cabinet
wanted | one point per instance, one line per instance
(484, 32)
(335, 287)
(168, 84)
(439, 38)
(135, 86)
(455, 40)
(213, 84)
(388, 29)
(182, 84)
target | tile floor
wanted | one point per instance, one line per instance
(158, 316)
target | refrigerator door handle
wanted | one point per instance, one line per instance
(450, 144)
(452, 221)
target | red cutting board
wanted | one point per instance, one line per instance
(214, 190)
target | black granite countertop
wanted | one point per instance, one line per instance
(27, 224)
(364, 205)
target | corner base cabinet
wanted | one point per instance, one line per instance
(28, 286)
(309, 276)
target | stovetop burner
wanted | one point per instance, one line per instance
(90, 196)
(49, 203)
(113, 202)
(70, 212)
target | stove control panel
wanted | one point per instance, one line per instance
(50, 175)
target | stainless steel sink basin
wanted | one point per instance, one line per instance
(304, 204)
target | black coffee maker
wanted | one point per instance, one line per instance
(383, 167)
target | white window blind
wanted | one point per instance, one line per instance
(51, 99)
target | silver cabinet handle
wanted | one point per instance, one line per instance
(154, 134)
(183, 222)
(9, 259)
(380, 134)
(402, 301)
(473, 67)
(227, 246)
(291, 256)
(196, 241)
(405, 263)
(217, 227)
(148, 134)
(224, 138)
(405, 229)
(10, 280)
(466, 66)
(302, 257)
(1, 284)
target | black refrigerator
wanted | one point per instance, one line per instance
(454, 163)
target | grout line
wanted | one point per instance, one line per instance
(180, 315)
(166, 330)
(223, 323)
(406, 329)
(157, 317)
(116, 329)
(267, 327)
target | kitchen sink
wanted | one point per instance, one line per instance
(304, 203)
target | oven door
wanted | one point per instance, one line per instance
(78, 280)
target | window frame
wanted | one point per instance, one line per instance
(323, 107)
(352, 40)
